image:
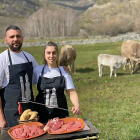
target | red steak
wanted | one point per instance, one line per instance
(74, 126)
(57, 125)
(26, 131)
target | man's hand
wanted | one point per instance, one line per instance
(67, 70)
(3, 123)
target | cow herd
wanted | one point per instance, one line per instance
(130, 54)
(130, 51)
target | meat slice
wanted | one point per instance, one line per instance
(35, 126)
(33, 131)
(71, 122)
(65, 126)
(74, 126)
(57, 125)
(25, 126)
(26, 131)
(13, 132)
(17, 132)
(40, 131)
(53, 125)
(23, 135)
(79, 124)
(60, 130)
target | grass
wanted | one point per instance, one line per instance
(112, 105)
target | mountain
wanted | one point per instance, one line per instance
(18, 8)
(81, 5)
(112, 17)
(93, 16)
(112, 9)
(18, 11)
(24, 8)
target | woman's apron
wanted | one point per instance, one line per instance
(51, 92)
(18, 88)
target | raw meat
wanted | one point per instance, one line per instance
(26, 131)
(57, 125)
(76, 125)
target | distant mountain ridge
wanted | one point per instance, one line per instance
(75, 4)
(24, 8)
(18, 8)
(88, 17)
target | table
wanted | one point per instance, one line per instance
(69, 136)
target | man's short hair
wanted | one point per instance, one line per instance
(13, 27)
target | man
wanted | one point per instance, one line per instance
(16, 69)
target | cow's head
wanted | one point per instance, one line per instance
(126, 60)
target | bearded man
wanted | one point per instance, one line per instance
(16, 70)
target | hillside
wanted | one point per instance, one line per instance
(18, 11)
(112, 17)
(18, 8)
(111, 9)
(67, 18)
(24, 8)
(75, 4)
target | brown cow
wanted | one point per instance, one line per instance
(67, 57)
(131, 50)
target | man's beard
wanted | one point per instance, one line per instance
(14, 49)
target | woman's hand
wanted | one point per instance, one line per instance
(67, 70)
(76, 111)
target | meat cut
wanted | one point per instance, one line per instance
(26, 131)
(57, 125)
(74, 126)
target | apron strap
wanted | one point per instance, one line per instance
(10, 60)
(25, 56)
(43, 71)
(60, 71)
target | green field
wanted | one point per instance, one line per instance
(112, 105)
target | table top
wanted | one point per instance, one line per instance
(75, 135)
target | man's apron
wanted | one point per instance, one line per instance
(19, 87)
(51, 92)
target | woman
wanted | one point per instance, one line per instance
(51, 81)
